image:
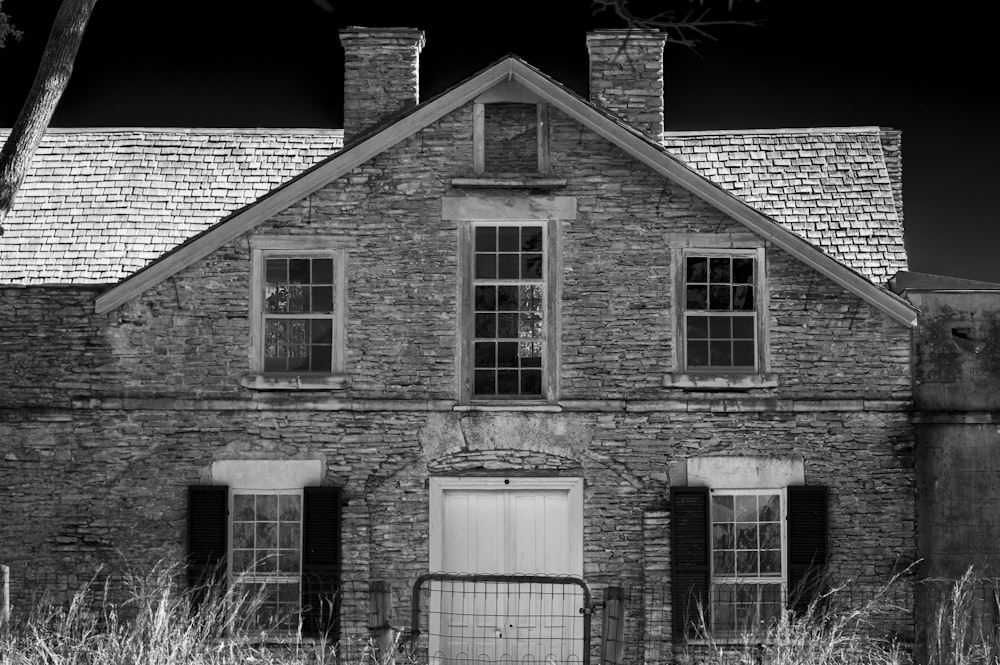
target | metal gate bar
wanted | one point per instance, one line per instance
(510, 580)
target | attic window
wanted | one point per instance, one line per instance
(511, 137)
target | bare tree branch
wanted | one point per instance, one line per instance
(50, 81)
(688, 28)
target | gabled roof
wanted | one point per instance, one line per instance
(596, 119)
(830, 186)
(99, 204)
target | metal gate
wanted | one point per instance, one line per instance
(493, 618)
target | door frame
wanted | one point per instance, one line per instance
(573, 486)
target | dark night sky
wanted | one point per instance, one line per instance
(895, 63)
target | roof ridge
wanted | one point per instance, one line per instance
(863, 129)
(190, 130)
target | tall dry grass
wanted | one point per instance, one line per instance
(150, 621)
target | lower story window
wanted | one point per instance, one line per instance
(748, 572)
(277, 548)
(267, 555)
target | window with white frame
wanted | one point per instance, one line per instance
(298, 308)
(266, 554)
(509, 310)
(748, 577)
(721, 312)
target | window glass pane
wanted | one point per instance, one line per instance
(243, 533)
(321, 331)
(486, 266)
(530, 354)
(322, 299)
(321, 358)
(746, 536)
(267, 560)
(289, 507)
(322, 270)
(697, 327)
(243, 507)
(276, 271)
(509, 238)
(267, 534)
(770, 536)
(769, 506)
(743, 299)
(507, 298)
(507, 382)
(697, 354)
(276, 299)
(719, 270)
(743, 354)
(531, 266)
(507, 325)
(746, 508)
(720, 327)
(721, 354)
(724, 562)
(746, 563)
(531, 298)
(742, 271)
(267, 507)
(531, 382)
(722, 508)
(718, 298)
(485, 382)
(486, 298)
(722, 536)
(288, 562)
(288, 536)
(298, 298)
(697, 269)
(531, 239)
(508, 266)
(243, 560)
(486, 325)
(486, 239)
(298, 271)
(743, 327)
(485, 354)
(770, 562)
(507, 354)
(697, 297)
(530, 326)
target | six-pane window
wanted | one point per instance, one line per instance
(509, 306)
(747, 560)
(720, 315)
(267, 555)
(298, 314)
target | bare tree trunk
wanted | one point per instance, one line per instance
(50, 81)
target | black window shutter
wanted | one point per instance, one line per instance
(208, 507)
(689, 556)
(321, 561)
(807, 544)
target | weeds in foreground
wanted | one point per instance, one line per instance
(151, 621)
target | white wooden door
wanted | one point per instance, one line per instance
(512, 526)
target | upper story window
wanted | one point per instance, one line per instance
(509, 310)
(298, 304)
(720, 314)
(720, 301)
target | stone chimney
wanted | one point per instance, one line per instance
(381, 74)
(626, 76)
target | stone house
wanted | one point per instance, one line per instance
(504, 330)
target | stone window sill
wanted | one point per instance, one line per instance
(509, 181)
(294, 382)
(696, 381)
(539, 407)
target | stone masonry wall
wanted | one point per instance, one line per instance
(106, 419)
